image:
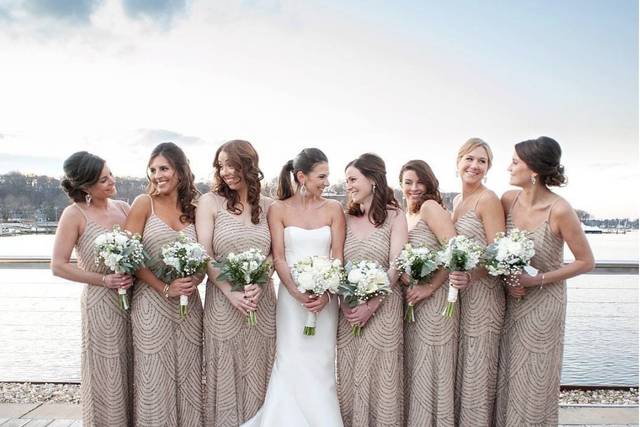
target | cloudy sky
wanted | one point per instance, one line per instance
(404, 79)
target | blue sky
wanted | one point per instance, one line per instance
(403, 79)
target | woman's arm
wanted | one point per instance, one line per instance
(570, 230)
(440, 223)
(338, 231)
(491, 214)
(399, 238)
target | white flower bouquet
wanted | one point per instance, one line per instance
(508, 255)
(419, 263)
(121, 252)
(363, 280)
(244, 269)
(183, 258)
(460, 254)
(316, 275)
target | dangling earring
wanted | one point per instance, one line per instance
(533, 180)
(373, 189)
(87, 199)
(303, 191)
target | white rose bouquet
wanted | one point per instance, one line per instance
(121, 252)
(363, 280)
(460, 254)
(316, 275)
(509, 255)
(244, 269)
(419, 263)
(183, 258)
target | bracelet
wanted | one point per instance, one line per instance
(541, 281)
(165, 291)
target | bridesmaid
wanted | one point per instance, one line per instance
(238, 357)
(370, 372)
(431, 342)
(106, 357)
(167, 349)
(532, 339)
(478, 214)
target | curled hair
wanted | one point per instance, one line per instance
(372, 167)
(471, 145)
(187, 191)
(304, 162)
(426, 177)
(542, 155)
(244, 159)
(81, 170)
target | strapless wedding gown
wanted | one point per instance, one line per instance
(302, 387)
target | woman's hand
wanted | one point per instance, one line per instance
(182, 286)
(406, 279)
(240, 302)
(460, 279)
(517, 292)
(117, 281)
(253, 293)
(530, 281)
(317, 303)
(360, 314)
(418, 293)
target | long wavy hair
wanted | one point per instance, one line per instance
(187, 191)
(372, 166)
(428, 178)
(244, 159)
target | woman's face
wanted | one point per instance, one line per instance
(412, 188)
(163, 175)
(359, 187)
(520, 172)
(316, 180)
(228, 172)
(473, 166)
(105, 186)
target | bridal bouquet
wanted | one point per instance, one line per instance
(316, 275)
(363, 280)
(460, 254)
(120, 252)
(183, 258)
(419, 263)
(509, 255)
(244, 269)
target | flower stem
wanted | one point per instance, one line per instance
(309, 330)
(409, 314)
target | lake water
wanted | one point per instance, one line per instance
(40, 318)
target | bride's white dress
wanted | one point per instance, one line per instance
(302, 387)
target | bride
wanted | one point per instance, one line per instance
(302, 387)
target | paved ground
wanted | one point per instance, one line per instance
(68, 415)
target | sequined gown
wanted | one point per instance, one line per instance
(238, 357)
(532, 342)
(430, 348)
(167, 349)
(481, 317)
(370, 376)
(107, 355)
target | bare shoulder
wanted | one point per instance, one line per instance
(508, 197)
(276, 210)
(266, 202)
(431, 207)
(141, 204)
(562, 209)
(71, 216)
(208, 201)
(397, 216)
(122, 205)
(334, 206)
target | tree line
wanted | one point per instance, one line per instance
(30, 197)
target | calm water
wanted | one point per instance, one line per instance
(40, 318)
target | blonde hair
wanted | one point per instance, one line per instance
(471, 145)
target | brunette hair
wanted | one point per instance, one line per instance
(81, 170)
(372, 166)
(187, 191)
(304, 162)
(244, 159)
(471, 145)
(427, 177)
(542, 155)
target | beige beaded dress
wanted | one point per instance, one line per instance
(369, 367)
(167, 349)
(430, 347)
(481, 308)
(238, 357)
(532, 341)
(107, 356)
